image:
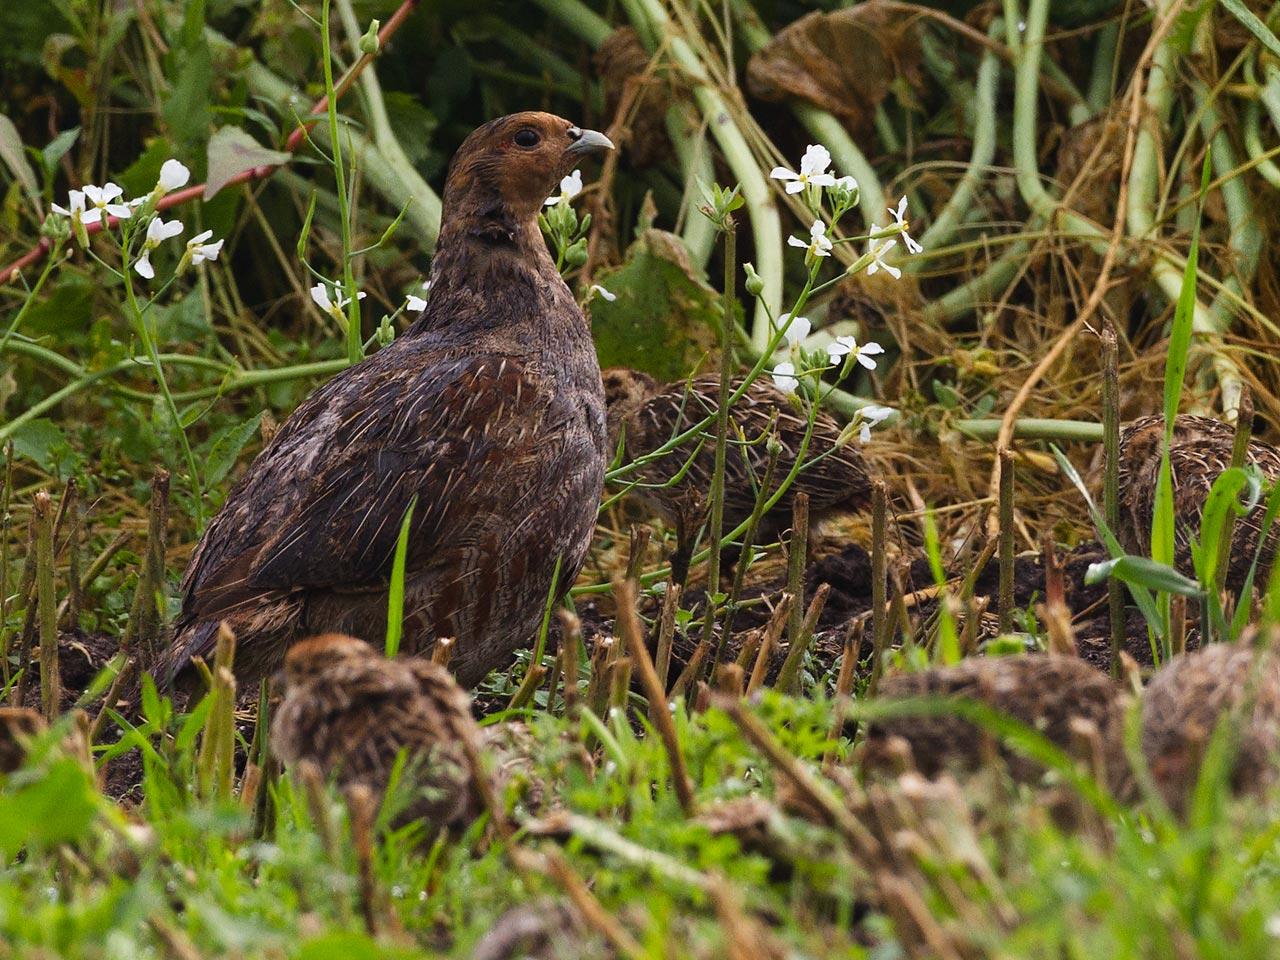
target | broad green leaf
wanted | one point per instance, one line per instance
(40, 440)
(226, 446)
(58, 808)
(1144, 572)
(232, 151)
(1223, 499)
(14, 157)
(57, 148)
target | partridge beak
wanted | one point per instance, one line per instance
(587, 142)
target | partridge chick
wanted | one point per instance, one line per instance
(1199, 454)
(1043, 691)
(486, 418)
(351, 712)
(1183, 704)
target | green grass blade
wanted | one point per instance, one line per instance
(395, 596)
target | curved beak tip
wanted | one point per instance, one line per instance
(590, 141)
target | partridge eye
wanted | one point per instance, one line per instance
(527, 138)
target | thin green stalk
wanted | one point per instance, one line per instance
(797, 551)
(1111, 482)
(1030, 428)
(355, 342)
(1005, 594)
(30, 298)
(766, 225)
(148, 343)
(47, 601)
(715, 524)
(981, 157)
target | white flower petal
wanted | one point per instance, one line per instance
(816, 159)
(200, 238)
(173, 174)
(110, 191)
(784, 377)
(206, 251)
(797, 242)
(92, 215)
(822, 180)
(795, 186)
(415, 304)
(794, 329)
(782, 173)
(143, 266)
(320, 294)
(120, 211)
(596, 288)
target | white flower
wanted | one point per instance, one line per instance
(415, 304)
(784, 375)
(794, 329)
(320, 294)
(876, 249)
(158, 231)
(426, 285)
(597, 289)
(818, 245)
(200, 250)
(899, 217)
(173, 174)
(75, 206)
(862, 354)
(847, 184)
(104, 198)
(813, 170)
(869, 416)
(570, 187)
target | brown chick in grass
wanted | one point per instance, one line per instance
(1183, 704)
(1199, 454)
(1043, 691)
(644, 415)
(487, 417)
(351, 712)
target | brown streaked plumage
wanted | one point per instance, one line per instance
(1043, 691)
(1198, 455)
(649, 414)
(488, 412)
(1183, 703)
(17, 726)
(351, 712)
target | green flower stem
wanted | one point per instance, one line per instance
(1144, 179)
(688, 136)
(1252, 132)
(1071, 431)
(355, 342)
(51, 262)
(397, 184)
(82, 379)
(715, 523)
(766, 225)
(157, 368)
(585, 23)
(1102, 77)
(1244, 241)
(384, 138)
(944, 225)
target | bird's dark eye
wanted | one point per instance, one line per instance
(527, 138)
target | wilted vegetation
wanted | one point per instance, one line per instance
(211, 206)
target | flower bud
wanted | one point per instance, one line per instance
(370, 43)
(754, 284)
(576, 255)
(386, 332)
